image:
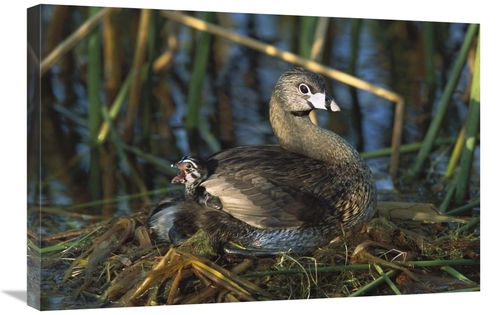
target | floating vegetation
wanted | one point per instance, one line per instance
(116, 263)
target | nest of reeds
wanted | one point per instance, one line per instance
(406, 249)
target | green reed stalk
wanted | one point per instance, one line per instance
(472, 289)
(116, 106)
(471, 131)
(94, 116)
(307, 30)
(58, 247)
(148, 82)
(126, 164)
(370, 286)
(355, 33)
(356, 25)
(460, 210)
(317, 50)
(430, 70)
(112, 78)
(428, 32)
(404, 148)
(198, 75)
(448, 198)
(72, 40)
(136, 84)
(442, 108)
(465, 229)
(157, 192)
(411, 264)
(94, 78)
(455, 155)
(388, 280)
(452, 271)
(160, 164)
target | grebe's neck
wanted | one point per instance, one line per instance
(297, 133)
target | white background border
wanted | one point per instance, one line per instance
(13, 155)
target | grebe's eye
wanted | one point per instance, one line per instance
(304, 89)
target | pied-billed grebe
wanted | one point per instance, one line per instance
(192, 172)
(297, 196)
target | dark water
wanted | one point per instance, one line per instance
(391, 55)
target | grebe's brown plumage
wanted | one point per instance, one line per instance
(296, 196)
(192, 172)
